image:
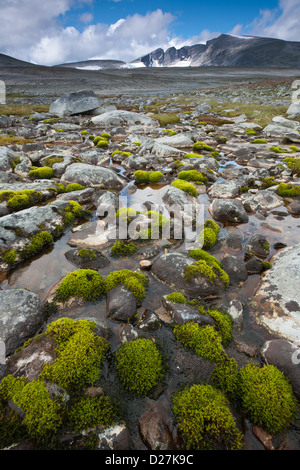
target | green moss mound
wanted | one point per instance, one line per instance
(202, 146)
(208, 268)
(79, 354)
(204, 419)
(148, 176)
(204, 341)
(44, 172)
(134, 282)
(43, 416)
(210, 234)
(293, 164)
(74, 187)
(176, 297)
(185, 186)
(192, 175)
(87, 253)
(123, 248)
(86, 284)
(287, 190)
(203, 255)
(19, 200)
(91, 412)
(267, 397)
(37, 243)
(139, 365)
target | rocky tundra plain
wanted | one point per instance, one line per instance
(149, 343)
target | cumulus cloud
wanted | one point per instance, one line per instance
(282, 22)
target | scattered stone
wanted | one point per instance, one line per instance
(230, 210)
(93, 176)
(78, 102)
(121, 304)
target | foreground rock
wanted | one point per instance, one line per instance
(91, 175)
(121, 117)
(75, 103)
(20, 317)
(286, 357)
(229, 210)
(276, 304)
(170, 268)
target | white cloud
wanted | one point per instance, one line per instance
(86, 18)
(282, 22)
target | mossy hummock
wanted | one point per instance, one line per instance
(148, 176)
(139, 365)
(86, 284)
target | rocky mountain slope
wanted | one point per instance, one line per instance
(227, 50)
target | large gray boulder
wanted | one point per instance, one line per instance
(170, 268)
(294, 110)
(7, 157)
(276, 303)
(122, 117)
(20, 317)
(92, 175)
(229, 210)
(78, 102)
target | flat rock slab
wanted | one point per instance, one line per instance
(75, 103)
(93, 176)
(122, 117)
(20, 317)
(276, 303)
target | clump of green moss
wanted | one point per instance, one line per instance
(287, 190)
(43, 416)
(74, 187)
(250, 132)
(50, 161)
(202, 146)
(268, 182)
(158, 223)
(37, 243)
(225, 376)
(9, 257)
(204, 419)
(259, 141)
(192, 175)
(89, 412)
(203, 255)
(86, 284)
(141, 176)
(267, 397)
(43, 172)
(139, 365)
(207, 268)
(293, 164)
(165, 119)
(266, 265)
(79, 354)
(170, 132)
(101, 142)
(121, 153)
(134, 282)
(123, 248)
(87, 253)
(176, 297)
(278, 149)
(74, 211)
(204, 341)
(19, 200)
(185, 186)
(210, 233)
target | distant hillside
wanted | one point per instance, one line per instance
(94, 64)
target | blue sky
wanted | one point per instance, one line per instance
(61, 31)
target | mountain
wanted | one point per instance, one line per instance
(227, 50)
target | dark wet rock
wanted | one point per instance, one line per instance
(170, 268)
(258, 246)
(229, 210)
(286, 357)
(87, 262)
(28, 362)
(157, 428)
(276, 303)
(121, 304)
(149, 251)
(20, 317)
(235, 268)
(233, 239)
(115, 437)
(243, 154)
(75, 103)
(149, 321)
(254, 265)
(183, 313)
(294, 207)
(91, 175)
